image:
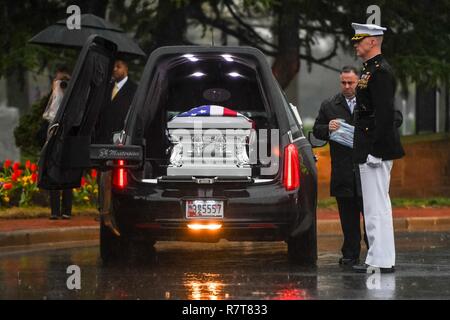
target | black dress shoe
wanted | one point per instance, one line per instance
(365, 268)
(348, 261)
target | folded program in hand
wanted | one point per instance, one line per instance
(343, 135)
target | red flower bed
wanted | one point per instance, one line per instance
(18, 186)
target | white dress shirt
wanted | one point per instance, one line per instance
(121, 83)
(351, 104)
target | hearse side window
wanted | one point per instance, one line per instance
(293, 123)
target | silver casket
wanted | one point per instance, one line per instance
(213, 146)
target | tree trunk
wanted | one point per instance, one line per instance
(170, 25)
(97, 7)
(447, 105)
(287, 62)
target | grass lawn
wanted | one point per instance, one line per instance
(330, 203)
(43, 212)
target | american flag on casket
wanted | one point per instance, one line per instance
(211, 117)
(213, 111)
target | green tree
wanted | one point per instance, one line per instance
(31, 132)
(19, 21)
(416, 42)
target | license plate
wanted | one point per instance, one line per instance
(204, 209)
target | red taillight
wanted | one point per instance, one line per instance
(291, 177)
(120, 175)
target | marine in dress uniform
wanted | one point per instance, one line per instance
(376, 144)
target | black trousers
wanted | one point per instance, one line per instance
(350, 210)
(55, 202)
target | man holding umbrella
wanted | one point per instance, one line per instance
(123, 89)
(58, 35)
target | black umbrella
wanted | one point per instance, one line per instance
(59, 35)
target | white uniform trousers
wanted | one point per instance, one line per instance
(378, 214)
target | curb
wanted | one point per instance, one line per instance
(324, 227)
(32, 237)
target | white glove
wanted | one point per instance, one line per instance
(373, 162)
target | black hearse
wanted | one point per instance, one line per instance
(140, 203)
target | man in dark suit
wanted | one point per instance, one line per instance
(114, 112)
(376, 144)
(345, 182)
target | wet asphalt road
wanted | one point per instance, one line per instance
(227, 270)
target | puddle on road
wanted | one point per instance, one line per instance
(228, 270)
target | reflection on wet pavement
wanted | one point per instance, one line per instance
(228, 270)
